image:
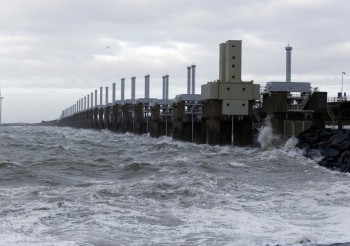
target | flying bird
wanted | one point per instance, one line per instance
(107, 47)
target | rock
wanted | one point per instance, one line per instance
(344, 145)
(344, 157)
(345, 167)
(339, 138)
(329, 152)
(334, 145)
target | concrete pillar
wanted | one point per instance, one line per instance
(107, 121)
(180, 130)
(90, 118)
(193, 79)
(147, 78)
(113, 92)
(88, 101)
(167, 87)
(243, 131)
(106, 96)
(100, 118)
(114, 117)
(155, 121)
(95, 98)
(213, 131)
(95, 118)
(122, 89)
(288, 63)
(133, 88)
(101, 92)
(189, 80)
(163, 96)
(126, 119)
(138, 119)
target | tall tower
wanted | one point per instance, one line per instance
(193, 79)
(0, 105)
(288, 63)
(133, 87)
(147, 86)
(189, 80)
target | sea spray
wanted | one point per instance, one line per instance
(267, 138)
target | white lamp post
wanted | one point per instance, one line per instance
(342, 78)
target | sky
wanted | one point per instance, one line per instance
(53, 52)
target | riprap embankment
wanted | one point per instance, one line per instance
(333, 145)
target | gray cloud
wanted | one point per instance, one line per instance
(59, 46)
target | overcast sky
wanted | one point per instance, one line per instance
(53, 53)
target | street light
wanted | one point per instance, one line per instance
(342, 75)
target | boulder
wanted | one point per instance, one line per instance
(334, 145)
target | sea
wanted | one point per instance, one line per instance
(79, 187)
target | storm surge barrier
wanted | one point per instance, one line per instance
(221, 114)
(226, 111)
(186, 117)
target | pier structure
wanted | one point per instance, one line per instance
(161, 120)
(224, 113)
(187, 122)
(338, 109)
(221, 114)
(293, 107)
(228, 102)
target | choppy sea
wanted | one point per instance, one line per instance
(64, 186)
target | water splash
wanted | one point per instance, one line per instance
(267, 138)
(291, 143)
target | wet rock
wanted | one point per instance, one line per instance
(339, 138)
(330, 152)
(333, 145)
(344, 145)
(345, 167)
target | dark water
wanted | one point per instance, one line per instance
(62, 186)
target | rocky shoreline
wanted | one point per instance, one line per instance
(332, 145)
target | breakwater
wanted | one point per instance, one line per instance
(332, 145)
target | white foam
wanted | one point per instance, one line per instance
(237, 164)
(194, 195)
(267, 138)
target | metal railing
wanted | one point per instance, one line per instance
(298, 101)
(304, 102)
(330, 113)
(338, 99)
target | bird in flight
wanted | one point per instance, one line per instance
(107, 47)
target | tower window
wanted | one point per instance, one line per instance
(227, 104)
(233, 46)
(233, 57)
(233, 76)
(228, 88)
(243, 89)
(243, 104)
(233, 65)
